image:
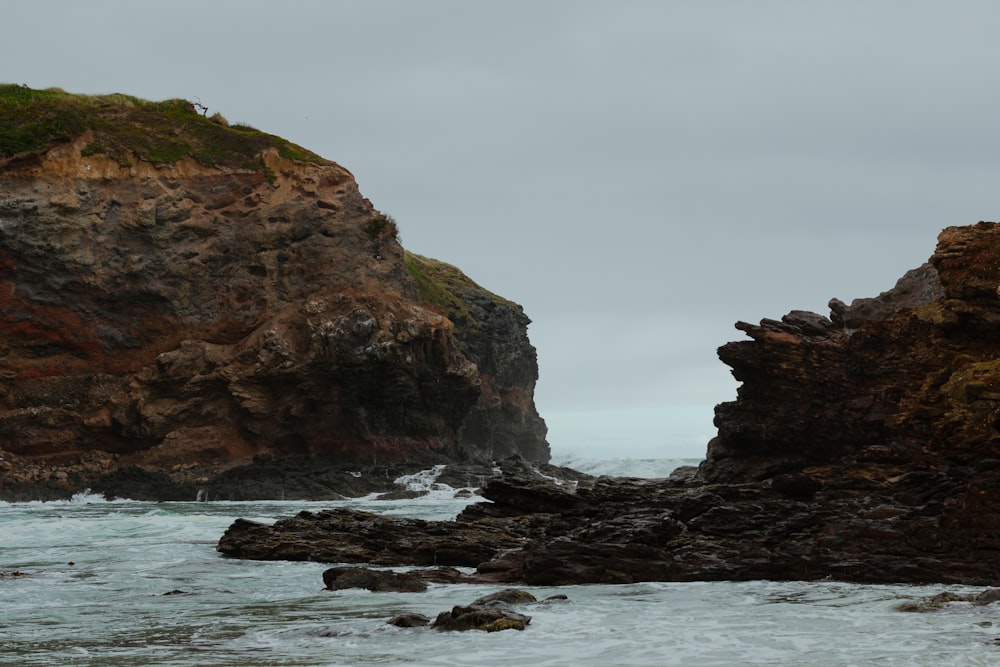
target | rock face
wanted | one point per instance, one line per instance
(180, 295)
(866, 449)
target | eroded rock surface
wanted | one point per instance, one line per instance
(864, 450)
(184, 316)
(377, 581)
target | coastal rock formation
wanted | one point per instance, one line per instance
(863, 447)
(178, 296)
(490, 613)
(377, 581)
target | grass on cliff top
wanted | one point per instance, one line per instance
(441, 285)
(33, 121)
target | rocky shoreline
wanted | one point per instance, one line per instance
(537, 532)
(862, 447)
(193, 310)
(262, 478)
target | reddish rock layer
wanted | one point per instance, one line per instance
(183, 318)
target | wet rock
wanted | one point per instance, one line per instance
(944, 599)
(182, 317)
(409, 621)
(490, 613)
(379, 581)
(506, 597)
(863, 448)
(351, 536)
(488, 619)
(990, 596)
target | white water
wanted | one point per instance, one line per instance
(109, 608)
(649, 468)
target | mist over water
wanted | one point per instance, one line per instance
(662, 432)
(621, 467)
(136, 583)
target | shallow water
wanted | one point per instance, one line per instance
(110, 607)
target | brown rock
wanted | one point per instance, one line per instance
(867, 453)
(339, 578)
(491, 613)
(351, 536)
(186, 295)
(410, 620)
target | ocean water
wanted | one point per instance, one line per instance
(138, 583)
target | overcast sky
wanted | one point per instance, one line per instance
(638, 175)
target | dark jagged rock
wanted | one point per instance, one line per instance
(410, 621)
(490, 613)
(339, 578)
(944, 599)
(864, 450)
(178, 296)
(351, 536)
(916, 288)
(507, 596)
(492, 332)
(414, 581)
(487, 619)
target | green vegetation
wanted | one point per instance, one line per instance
(125, 128)
(442, 285)
(380, 226)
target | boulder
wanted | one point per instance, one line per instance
(487, 619)
(490, 613)
(378, 581)
(410, 620)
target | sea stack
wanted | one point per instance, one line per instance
(179, 295)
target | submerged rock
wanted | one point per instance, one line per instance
(487, 619)
(507, 596)
(409, 621)
(944, 599)
(490, 613)
(351, 536)
(339, 578)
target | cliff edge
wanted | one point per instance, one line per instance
(864, 446)
(179, 296)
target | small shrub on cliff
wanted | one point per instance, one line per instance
(381, 226)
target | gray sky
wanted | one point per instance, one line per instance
(638, 175)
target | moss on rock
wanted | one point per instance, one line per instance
(127, 128)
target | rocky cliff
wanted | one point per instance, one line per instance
(864, 446)
(178, 295)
